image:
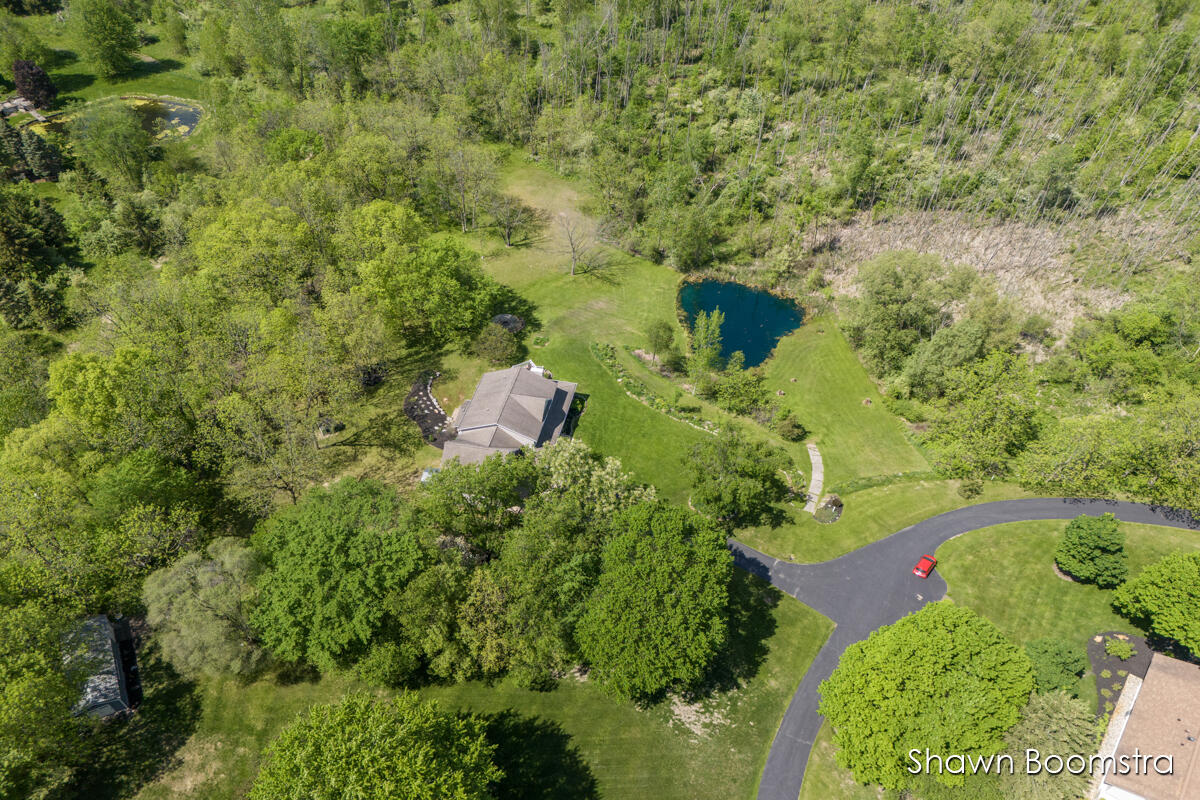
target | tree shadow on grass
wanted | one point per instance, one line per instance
(126, 754)
(538, 760)
(752, 623)
(68, 83)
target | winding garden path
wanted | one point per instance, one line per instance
(874, 586)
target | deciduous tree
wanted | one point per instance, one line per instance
(1165, 598)
(330, 562)
(200, 610)
(108, 35)
(942, 678)
(383, 749)
(658, 614)
(33, 83)
(736, 480)
(1092, 549)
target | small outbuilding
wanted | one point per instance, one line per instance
(104, 652)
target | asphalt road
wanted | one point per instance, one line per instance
(874, 586)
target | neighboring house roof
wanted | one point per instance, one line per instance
(93, 648)
(1165, 720)
(511, 408)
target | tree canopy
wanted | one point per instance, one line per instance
(942, 678)
(200, 607)
(330, 562)
(657, 616)
(1165, 598)
(1092, 549)
(735, 480)
(399, 749)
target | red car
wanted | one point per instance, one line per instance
(925, 566)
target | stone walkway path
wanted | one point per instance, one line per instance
(817, 482)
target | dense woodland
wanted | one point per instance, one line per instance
(194, 329)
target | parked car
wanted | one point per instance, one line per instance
(925, 566)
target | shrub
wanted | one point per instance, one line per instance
(496, 345)
(970, 488)
(1120, 649)
(1092, 550)
(790, 428)
(1056, 665)
(1104, 673)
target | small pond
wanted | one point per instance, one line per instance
(161, 118)
(755, 320)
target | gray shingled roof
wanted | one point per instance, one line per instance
(512, 408)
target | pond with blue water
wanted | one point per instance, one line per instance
(755, 320)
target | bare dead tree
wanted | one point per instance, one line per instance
(579, 240)
(516, 221)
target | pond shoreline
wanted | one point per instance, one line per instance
(782, 316)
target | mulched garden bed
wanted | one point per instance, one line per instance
(420, 407)
(1117, 669)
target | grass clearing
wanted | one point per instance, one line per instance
(856, 438)
(825, 780)
(1006, 573)
(571, 735)
(156, 68)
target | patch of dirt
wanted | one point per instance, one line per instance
(695, 717)
(1062, 575)
(649, 359)
(198, 764)
(1030, 263)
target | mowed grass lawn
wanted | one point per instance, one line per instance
(158, 70)
(1005, 573)
(569, 739)
(869, 515)
(839, 404)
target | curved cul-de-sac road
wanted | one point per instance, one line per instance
(874, 586)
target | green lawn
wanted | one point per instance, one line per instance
(566, 738)
(157, 71)
(1006, 574)
(825, 780)
(830, 397)
(869, 515)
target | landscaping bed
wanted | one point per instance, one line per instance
(1111, 670)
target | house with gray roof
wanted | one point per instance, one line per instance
(513, 408)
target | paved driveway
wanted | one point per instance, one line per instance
(874, 586)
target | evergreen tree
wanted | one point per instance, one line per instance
(41, 157)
